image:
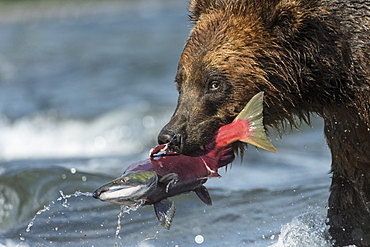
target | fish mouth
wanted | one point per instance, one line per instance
(130, 189)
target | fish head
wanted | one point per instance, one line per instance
(130, 189)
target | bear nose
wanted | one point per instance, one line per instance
(174, 140)
(165, 136)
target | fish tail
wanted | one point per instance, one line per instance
(253, 113)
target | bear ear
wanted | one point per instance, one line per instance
(198, 7)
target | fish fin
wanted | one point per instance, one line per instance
(203, 195)
(168, 179)
(253, 113)
(165, 211)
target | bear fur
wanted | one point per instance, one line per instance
(308, 56)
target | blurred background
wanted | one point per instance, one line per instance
(85, 87)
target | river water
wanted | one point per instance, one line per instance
(84, 89)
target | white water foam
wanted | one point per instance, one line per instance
(306, 230)
(49, 135)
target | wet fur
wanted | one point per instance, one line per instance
(308, 57)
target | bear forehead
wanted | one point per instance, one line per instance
(230, 26)
(208, 50)
(221, 36)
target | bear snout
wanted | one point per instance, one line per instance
(175, 141)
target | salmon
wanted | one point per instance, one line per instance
(166, 174)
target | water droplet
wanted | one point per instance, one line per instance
(73, 170)
(46, 208)
(28, 229)
(199, 239)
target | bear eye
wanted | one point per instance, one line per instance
(214, 85)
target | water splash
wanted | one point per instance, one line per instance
(64, 204)
(76, 194)
(124, 209)
(46, 208)
(306, 230)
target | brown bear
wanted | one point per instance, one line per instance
(308, 56)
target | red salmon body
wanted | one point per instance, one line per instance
(165, 174)
(186, 167)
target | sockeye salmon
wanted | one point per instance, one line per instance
(166, 174)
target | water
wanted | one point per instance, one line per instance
(127, 210)
(65, 204)
(84, 90)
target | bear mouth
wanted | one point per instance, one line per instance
(225, 157)
(199, 141)
(179, 145)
